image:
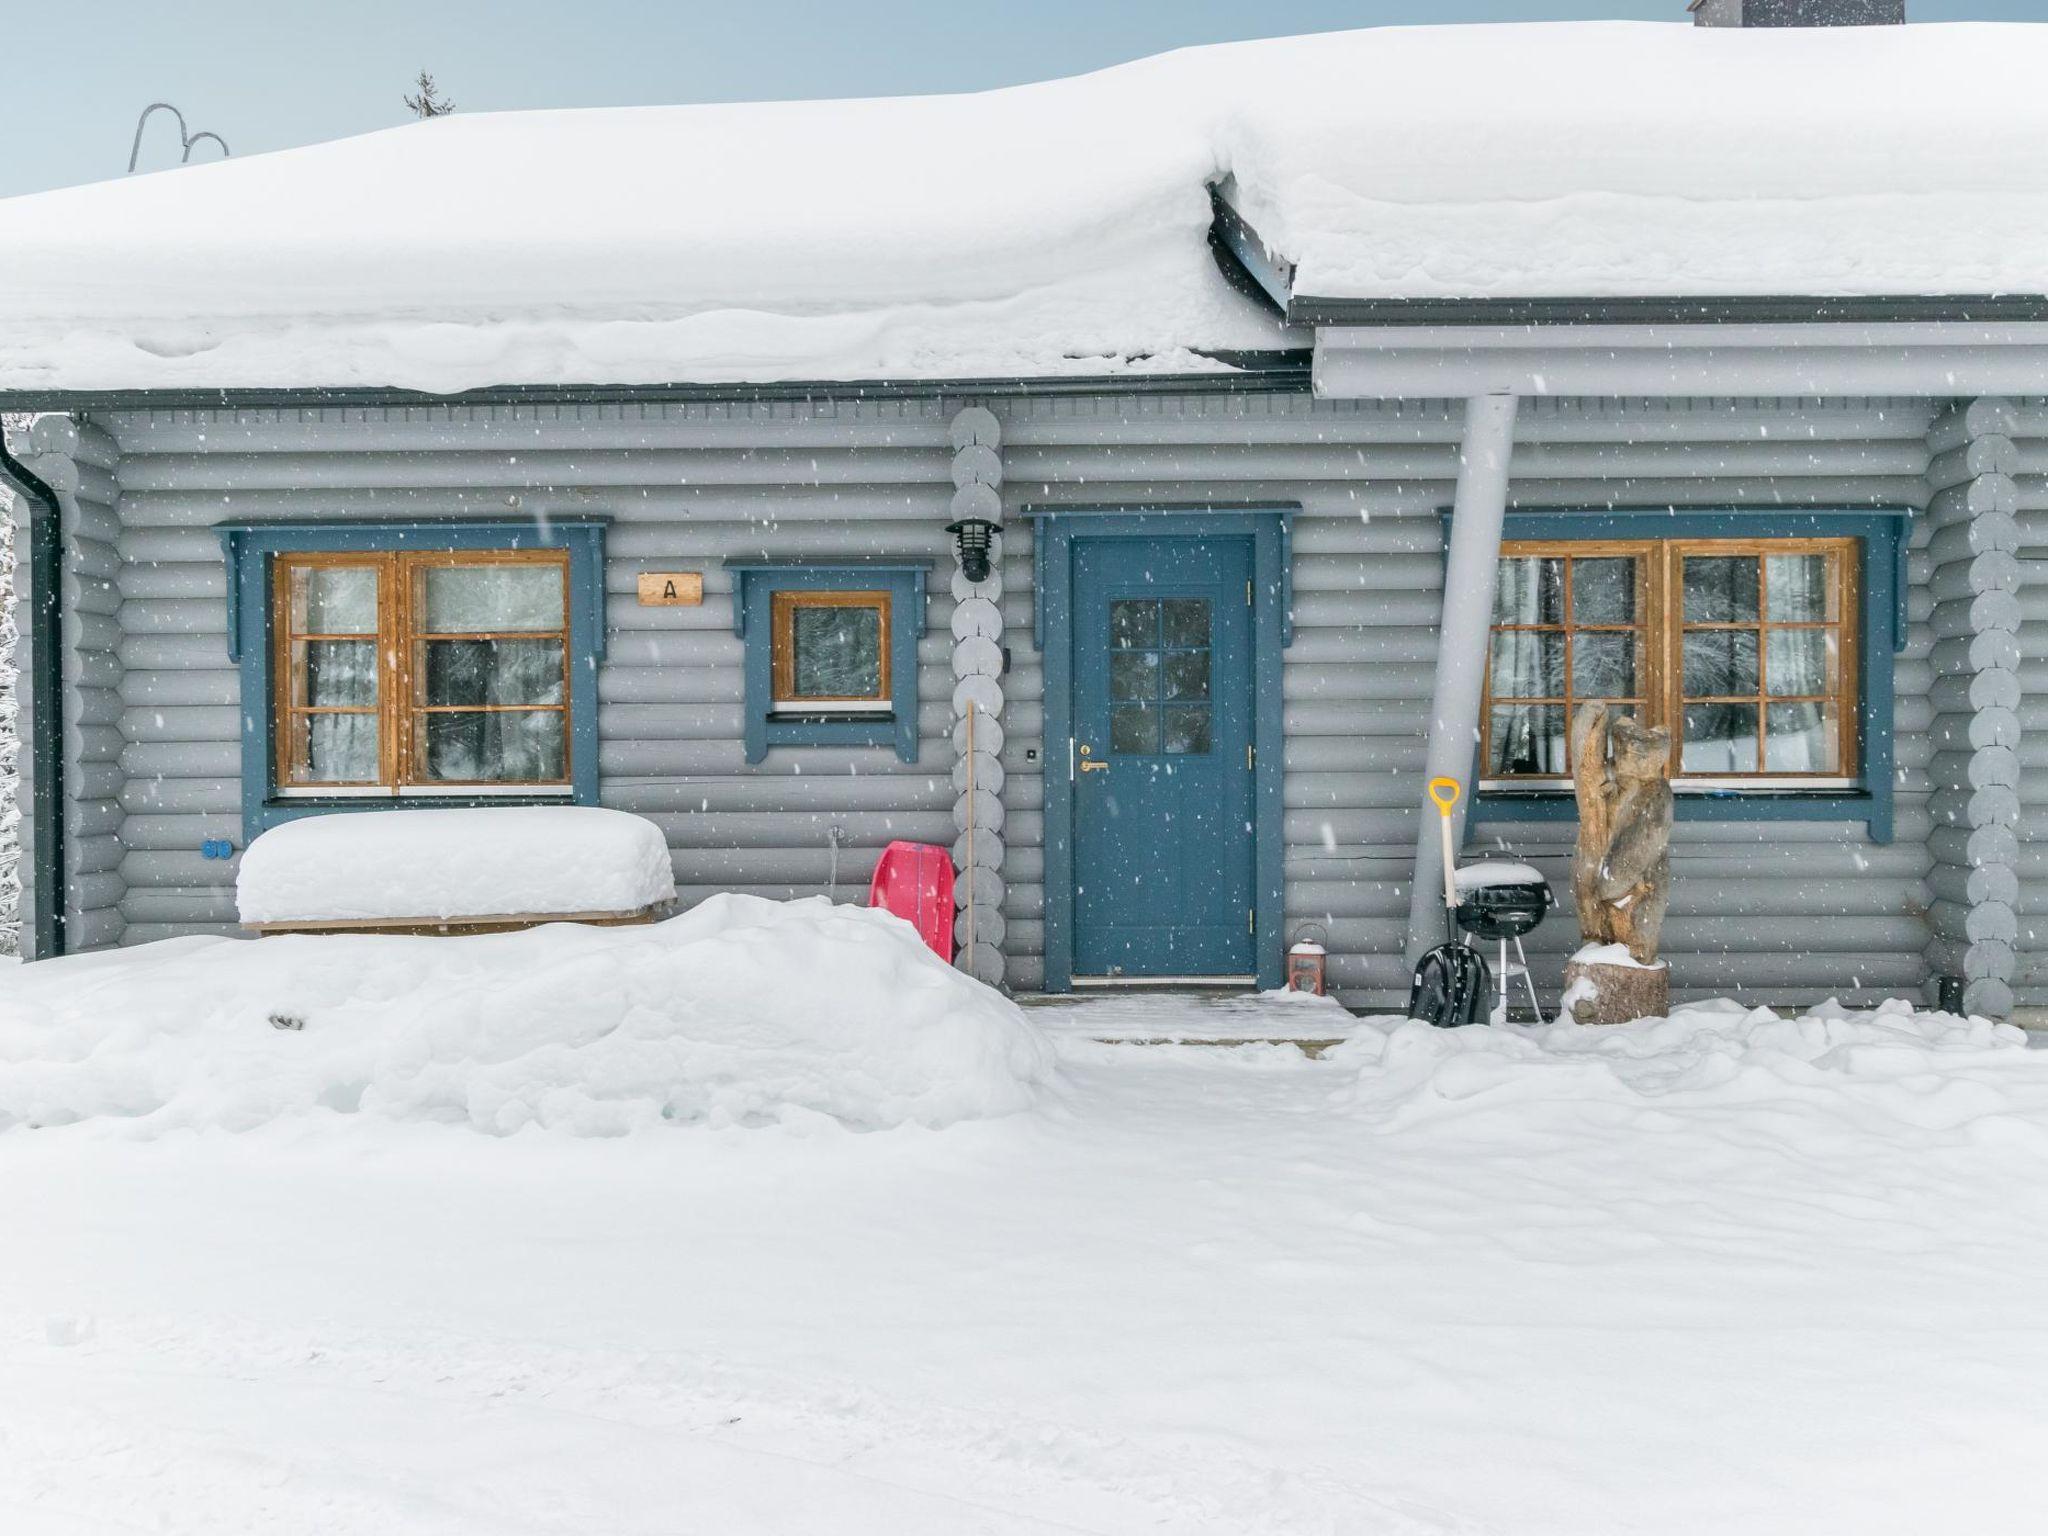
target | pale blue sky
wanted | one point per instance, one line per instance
(266, 74)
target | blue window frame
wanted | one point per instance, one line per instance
(252, 550)
(1881, 537)
(890, 723)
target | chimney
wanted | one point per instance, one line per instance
(1797, 13)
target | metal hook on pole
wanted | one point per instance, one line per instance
(135, 149)
(186, 138)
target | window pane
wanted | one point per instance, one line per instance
(338, 749)
(1134, 622)
(1528, 664)
(1187, 728)
(509, 745)
(1720, 589)
(1719, 738)
(1187, 675)
(838, 652)
(1798, 587)
(336, 672)
(493, 672)
(1529, 590)
(1187, 621)
(1719, 662)
(334, 600)
(1604, 591)
(1801, 661)
(464, 598)
(1801, 738)
(1134, 675)
(1527, 739)
(1134, 728)
(1603, 664)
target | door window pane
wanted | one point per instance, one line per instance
(334, 600)
(1604, 591)
(469, 599)
(1527, 739)
(336, 673)
(1720, 589)
(1720, 662)
(496, 747)
(1187, 675)
(493, 671)
(1800, 661)
(1134, 674)
(1134, 728)
(1799, 588)
(1801, 738)
(1603, 664)
(1719, 738)
(1133, 622)
(1528, 664)
(1187, 728)
(338, 749)
(837, 652)
(1529, 590)
(1187, 621)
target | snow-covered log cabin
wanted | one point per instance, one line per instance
(1350, 406)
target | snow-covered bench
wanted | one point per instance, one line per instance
(484, 870)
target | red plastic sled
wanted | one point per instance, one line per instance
(915, 881)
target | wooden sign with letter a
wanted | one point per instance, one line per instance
(671, 589)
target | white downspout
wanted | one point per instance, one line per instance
(1477, 513)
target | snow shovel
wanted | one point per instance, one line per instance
(1451, 980)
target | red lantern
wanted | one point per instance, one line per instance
(1306, 959)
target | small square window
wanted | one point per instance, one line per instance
(831, 652)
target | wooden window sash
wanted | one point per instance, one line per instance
(400, 637)
(783, 606)
(1661, 630)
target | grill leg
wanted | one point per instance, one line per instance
(1528, 980)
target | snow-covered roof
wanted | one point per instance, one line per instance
(1053, 229)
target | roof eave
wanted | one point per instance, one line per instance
(1241, 371)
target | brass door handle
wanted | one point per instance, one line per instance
(1088, 763)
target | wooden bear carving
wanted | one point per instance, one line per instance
(1621, 874)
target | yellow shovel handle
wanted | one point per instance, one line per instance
(1445, 793)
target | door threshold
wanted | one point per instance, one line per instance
(1109, 982)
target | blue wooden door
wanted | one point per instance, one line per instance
(1162, 801)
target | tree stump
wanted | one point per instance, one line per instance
(1597, 992)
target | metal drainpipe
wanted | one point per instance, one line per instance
(46, 697)
(1477, 513)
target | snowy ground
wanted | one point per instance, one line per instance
(1706, 1278)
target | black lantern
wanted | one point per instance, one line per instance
(973, 538)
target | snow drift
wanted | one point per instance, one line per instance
(1906, 1071)
(740, 1011)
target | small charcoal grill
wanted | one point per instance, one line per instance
(1502, 911)
(1498, 902)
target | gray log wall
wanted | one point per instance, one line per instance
(78, 460)
(1785, 912)
(2030, 439)
(686, 487)
(1972, 537)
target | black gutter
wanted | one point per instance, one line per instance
(1251, 372)
(1763, 309)
(46, 698)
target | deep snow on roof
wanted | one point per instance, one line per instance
(1053, 229)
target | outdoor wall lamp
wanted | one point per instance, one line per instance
(973, 538)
